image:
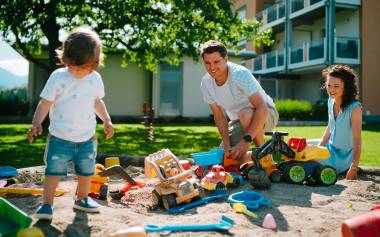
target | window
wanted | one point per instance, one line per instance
(170, 91)
(270, 86)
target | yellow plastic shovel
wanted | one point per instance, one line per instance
(242, 208)
(33, 191)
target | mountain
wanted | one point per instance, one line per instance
(13, 67)
(10, 80)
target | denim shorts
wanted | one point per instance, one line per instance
(59, 153)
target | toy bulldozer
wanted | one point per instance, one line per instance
(176, 185)
(297, 163)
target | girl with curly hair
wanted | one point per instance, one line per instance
(342, 135)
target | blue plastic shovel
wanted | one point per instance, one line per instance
(218, 194)
(224, 224)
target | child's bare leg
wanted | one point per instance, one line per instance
(84, 183)
(50, 184)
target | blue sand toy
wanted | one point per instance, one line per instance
(7, 171)
(212, 157)
(253, 200)
(218, 194)
(224, 224)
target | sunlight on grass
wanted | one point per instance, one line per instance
(182, 140)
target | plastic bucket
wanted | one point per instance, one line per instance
(212, 157)
(367, 225)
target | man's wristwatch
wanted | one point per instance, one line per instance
(248, 138)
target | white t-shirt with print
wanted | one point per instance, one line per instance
(233, 95)
(72, 116)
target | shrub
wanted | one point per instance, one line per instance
(320, 111)
(13, 101)
(294, 109)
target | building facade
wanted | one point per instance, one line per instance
(173, 91)
(310, 35)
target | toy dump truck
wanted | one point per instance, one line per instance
(176, 184)
(206, 160)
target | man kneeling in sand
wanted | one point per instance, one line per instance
(232, 88)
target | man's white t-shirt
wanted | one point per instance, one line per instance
(72, 116)
(233, 95)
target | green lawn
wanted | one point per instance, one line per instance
(181, 140)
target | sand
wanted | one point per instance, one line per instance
(299, 210)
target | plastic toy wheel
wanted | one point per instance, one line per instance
(117, 195)
(157, 199)
(276, 176)
(295, 174)
(220, 186)
(103, 192)
(169, 201)
(325, 175)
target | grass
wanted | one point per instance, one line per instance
(182, 140)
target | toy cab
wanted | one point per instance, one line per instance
(218, 178)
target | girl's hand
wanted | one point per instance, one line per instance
(352, 173)
(108, 130)
(34, 131)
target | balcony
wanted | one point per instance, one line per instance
(308, 54)
(272, 16)
(347, 50)
(301, 4)
(269, 62)
(300, 7)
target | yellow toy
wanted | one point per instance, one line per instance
(218, 178)
(298, 163)
(176, 184)
(99, 185)
(32, 191)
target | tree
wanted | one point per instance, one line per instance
(31, 25)
(147, 31)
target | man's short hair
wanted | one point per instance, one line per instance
(213, 46)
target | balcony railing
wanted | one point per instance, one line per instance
(269, 61)
(301, 4)
(307, 52)
(272, 13)
(347, 50)
(258, 63)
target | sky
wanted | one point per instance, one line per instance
(13, 67)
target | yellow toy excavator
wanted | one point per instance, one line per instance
(298, 163)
